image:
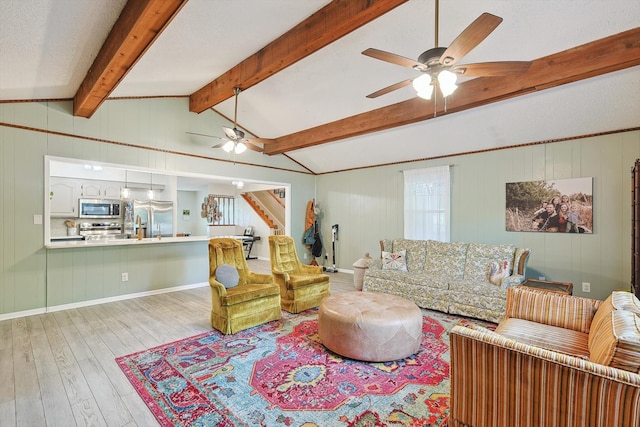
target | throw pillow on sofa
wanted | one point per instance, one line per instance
(498, 271)
(394, 260)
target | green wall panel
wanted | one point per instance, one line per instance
(367, 203)
(478, 207)
(34, 278)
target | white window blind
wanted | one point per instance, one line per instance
(427, 203)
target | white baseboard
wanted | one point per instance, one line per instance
(62, 307)
(25, 313)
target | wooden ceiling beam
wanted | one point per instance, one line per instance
(602, 56)
(137, 27)
(338, 18)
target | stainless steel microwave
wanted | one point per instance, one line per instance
(99, 208)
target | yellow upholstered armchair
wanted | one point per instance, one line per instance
(301, 286)
(240, 298)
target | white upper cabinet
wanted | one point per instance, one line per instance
(65, 192)
(63, 197)
(90, 190)
(100, 190)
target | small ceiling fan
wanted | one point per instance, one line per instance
(438, 65)
(235, 140)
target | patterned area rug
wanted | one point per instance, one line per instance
(279, 374)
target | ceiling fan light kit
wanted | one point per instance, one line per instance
(235, 141)
(229, 146)
(423, 86)
(438, 65)
(447, 82)
(240, 147)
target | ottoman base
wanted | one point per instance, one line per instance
(370, 326)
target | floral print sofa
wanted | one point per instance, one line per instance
(452, 277)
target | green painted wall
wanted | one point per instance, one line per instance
(367, 205)
(32, 277)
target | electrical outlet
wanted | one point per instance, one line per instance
(542, 278)
(586, 287)
(305, 256)
(125, 277)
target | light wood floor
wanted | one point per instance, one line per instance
(59, 369)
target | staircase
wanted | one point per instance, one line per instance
(269, 207)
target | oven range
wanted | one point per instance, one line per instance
(100, 230)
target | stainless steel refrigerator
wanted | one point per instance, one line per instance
(156, 217)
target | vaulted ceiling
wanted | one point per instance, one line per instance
(304, 80)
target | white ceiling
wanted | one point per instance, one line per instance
(47, 46)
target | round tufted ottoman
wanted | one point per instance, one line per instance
(370, 326)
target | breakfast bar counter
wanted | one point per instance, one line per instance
(66, 244)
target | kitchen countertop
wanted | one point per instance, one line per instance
(65, 244)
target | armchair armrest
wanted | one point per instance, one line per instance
(551, 308)
(310, 269)
(259, 278)
(218, 292)
(217, 287)
(498, 381)
(280, 276)
(513, 280)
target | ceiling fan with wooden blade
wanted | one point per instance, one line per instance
(235, 140)
(438, 65)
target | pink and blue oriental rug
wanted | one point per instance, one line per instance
(279, 374)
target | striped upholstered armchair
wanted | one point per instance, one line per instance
(555, 360)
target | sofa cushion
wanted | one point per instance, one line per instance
(551, 308)
(394, 260)
(445, 258)
(616, 341)
(416, 279)
(416, 252)
(553, 338)
(436, 281)
(474, 287)
(480, 255)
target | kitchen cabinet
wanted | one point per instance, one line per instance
(100, 190)
(63, 197)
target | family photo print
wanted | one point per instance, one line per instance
(551, 206)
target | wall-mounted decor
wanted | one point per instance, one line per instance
(552, 206)
(218, 209)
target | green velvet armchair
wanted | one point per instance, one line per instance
(253, 301)
(301, 286)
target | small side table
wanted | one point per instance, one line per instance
(562, 287)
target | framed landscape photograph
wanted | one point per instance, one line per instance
(550, 206)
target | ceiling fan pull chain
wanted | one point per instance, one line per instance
(437, 13)
(435, 104)
(236, 91)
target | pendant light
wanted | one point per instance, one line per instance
(150, 192)
(125, 193)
